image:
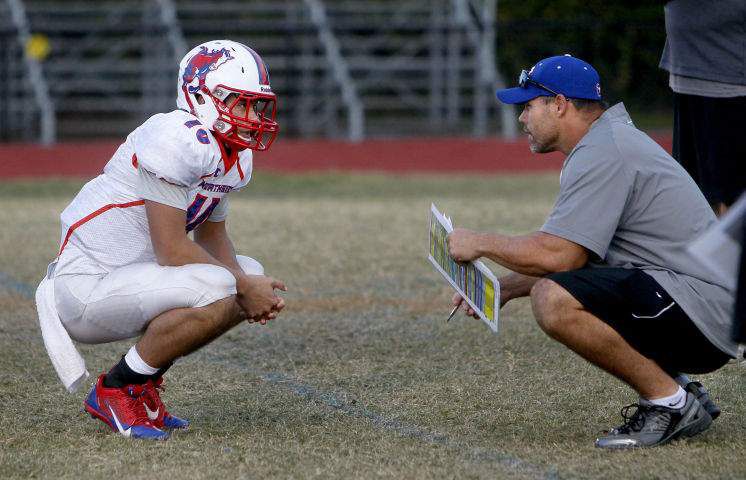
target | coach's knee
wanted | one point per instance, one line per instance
(551, 305)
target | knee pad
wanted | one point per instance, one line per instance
(214, 282)
(249, 265)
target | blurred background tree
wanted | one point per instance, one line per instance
(622, 39)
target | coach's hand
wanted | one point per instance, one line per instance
(464, 245)
(458, 301)
(256, 296)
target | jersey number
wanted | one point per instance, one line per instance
(193, 220)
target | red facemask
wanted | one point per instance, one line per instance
(247, 120)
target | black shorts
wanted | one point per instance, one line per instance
(636, 306)
(708, 142)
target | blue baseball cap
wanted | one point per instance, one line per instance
(562, 74)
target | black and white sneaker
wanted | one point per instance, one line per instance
(652, 425)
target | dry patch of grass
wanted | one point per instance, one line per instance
(360, 376)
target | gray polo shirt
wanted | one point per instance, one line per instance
(633, 206)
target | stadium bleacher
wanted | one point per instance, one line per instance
(343, 69)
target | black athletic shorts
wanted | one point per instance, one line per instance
(636, 306)
(708, 141)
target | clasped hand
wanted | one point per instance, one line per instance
(257, 298)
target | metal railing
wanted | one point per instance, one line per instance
(341, 69)
(48, 131)
(332, 51)
(175, 35)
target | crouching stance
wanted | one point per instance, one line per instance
(609, 274)
(127, 267)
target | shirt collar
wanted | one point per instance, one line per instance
(617, 113)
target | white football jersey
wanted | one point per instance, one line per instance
(105, 227)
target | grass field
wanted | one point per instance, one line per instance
(360, 377)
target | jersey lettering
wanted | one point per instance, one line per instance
(194, 218)
(202, 136)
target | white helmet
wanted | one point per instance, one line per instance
(212, 71)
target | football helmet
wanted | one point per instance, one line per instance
(226, 85)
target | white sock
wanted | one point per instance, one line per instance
(137, 364)
(677, 400)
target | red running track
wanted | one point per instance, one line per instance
(420, 155)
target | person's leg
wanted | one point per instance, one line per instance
(179, 309)
(181, 331)
(726, 148)
(625, 323)
(715, 136)
(117, 306)
(171, 335)
(739, 323)
(565, 319)
(684, 145)
(178, 332)
(121, 305)
(154, 406)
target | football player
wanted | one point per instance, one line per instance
(127, 266)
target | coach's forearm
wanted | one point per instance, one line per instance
(526, 254)
(515, 285)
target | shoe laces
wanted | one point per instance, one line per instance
(134, 403)
(634, 421)
(152, 392)
(660, 418)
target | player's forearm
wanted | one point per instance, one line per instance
(186, 252)
(525, 254)
(220, 247)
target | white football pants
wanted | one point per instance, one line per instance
(119, 305)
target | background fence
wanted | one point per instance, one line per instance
(342, 69)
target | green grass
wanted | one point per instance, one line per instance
(360, 376)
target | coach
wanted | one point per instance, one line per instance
(608, 273)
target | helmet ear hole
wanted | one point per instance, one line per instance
(200, 99)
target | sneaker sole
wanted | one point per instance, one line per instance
(697, 427)
(95, 414)
(712, 409)
(175, 429)
(703, 396)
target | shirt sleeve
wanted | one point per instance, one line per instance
(166, 147)
(220, 213)
(158, 190)
(594, 189)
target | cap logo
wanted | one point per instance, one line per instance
(598, 89)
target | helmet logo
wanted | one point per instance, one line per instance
(201, 64)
